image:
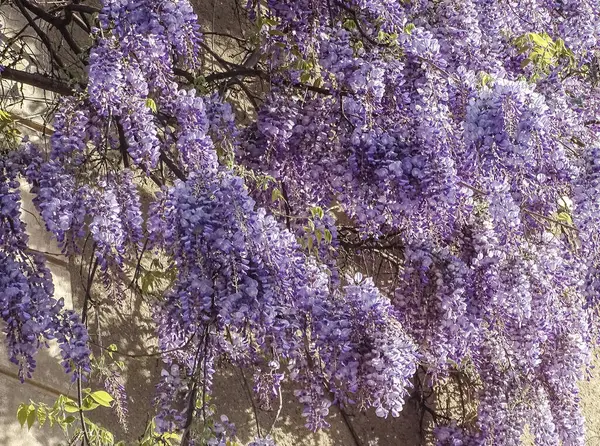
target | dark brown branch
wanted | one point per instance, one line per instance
(250, 397)
(41, 34)
(88, 290)
(86, 436)
(86, 9)
(234, 73)
(235, 70)
(224, 63)
(37, 80)
(8, 43)
(147, 355)
(191, 409)
(138, 264)
(123, 145)
(124, 148)
(82, 22)
(213, 33)
(188, 76)
(84, 314)
(42, 13)
(288, 208)
(70, 17)
(251, 98)
(58, 23)
(172, 166)
(359, 27)
(350, 427)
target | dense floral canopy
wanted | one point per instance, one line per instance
(454, 142)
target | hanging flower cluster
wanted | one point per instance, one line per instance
(464, 131)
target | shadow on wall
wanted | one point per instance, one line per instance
(223, 17)
(232, 398)
(130, 327)
(47, 377)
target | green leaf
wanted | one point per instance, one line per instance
(71, 407)
(151, 105)
(276, 194)
(42, 416)
(349, 24)
(305, 77)
(103, 398)
(5, 116)
(22, 412)
(107, 437)
(111, 349)
(564, 216)
(69, 419)
(539, 39)
(30, 416)
(317, 212)
(89, 404)
(485, 79)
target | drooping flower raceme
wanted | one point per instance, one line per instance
(245, 290)
(31, 315)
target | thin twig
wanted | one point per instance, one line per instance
(59, 24)
(41, 34)
(172, 166)
(255, 410)
(211, 33)
(81, 417)
(146, 355)
(278, 411)
(88, 291)
(473, 188)
(558, 222)
(139, 263)
(123, 145)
